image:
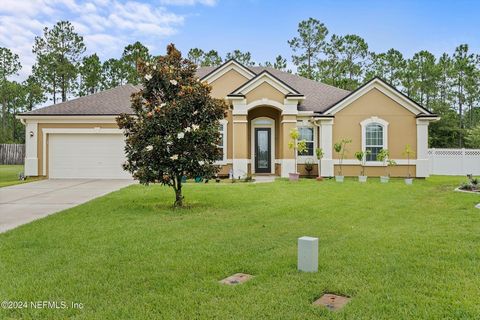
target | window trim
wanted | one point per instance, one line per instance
(384, 125)
(304, 124)
(224, 124)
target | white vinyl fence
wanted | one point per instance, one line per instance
(454, 162)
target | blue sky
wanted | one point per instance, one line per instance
(261, 27)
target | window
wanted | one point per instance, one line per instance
(373, 140)
(306, 133)
(374, 137)
(222, 128)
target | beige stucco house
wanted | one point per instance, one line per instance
(80, 138)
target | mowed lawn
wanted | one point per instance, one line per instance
(9, 175)
(400, 252)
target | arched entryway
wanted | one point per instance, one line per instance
(263, 139)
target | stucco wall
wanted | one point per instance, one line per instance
(402, 128)
(229, 118)
(289, 122)
(228, 82)
(303, 172)
(225, 170)
(265, 90)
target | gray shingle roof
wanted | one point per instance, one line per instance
(318, 96)
(109, 102)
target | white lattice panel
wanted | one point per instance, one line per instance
(454, 161)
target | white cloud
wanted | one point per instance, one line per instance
(106, 25)
(189, 2)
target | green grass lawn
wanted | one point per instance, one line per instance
(9, 175)
(400, 252)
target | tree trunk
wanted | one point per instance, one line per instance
(4, 114)
(178, 193)
(64, 89)
(460, 113)
(14, 124)
(54, 91)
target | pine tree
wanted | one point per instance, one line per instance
(354, 52)
(90, 75)
(330, 68)
(114, 73)
(308, 44)
(279, 64)
(196, 55)
(244, 58)
(60, 49)
(9, 65)
(131, 57)
(463, 67)
(211, 59)
(389, 66)
(34, 94)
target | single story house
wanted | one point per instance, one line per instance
(80, 138)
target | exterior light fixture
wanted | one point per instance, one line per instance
(31, 133)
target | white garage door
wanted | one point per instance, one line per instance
(98, 156)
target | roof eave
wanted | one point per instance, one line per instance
(65, 116)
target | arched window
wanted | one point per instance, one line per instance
(373, 140)
(374, 137)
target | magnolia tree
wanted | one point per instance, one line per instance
(174, 129)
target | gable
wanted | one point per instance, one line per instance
(387, 90)
(374, 102)
(402, 127)
(226, 83)
(265, 91)
(225, 67)
(267, 77)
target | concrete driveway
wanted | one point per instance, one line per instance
(26, 202)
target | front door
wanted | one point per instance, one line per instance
(263, 150)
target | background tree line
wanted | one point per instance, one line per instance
(448, 85)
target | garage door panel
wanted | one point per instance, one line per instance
(87, 156)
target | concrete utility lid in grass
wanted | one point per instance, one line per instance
(332, 302)
(237, 278)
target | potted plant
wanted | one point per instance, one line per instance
(361, 156)
(319, 153)
(340, 148)
(309, 166)
(409, 153)
(387, 163)
(297, 146)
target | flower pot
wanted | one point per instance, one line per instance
(384, 179)
(293, 176)
(362, 178)
(339, 178)
(409, 181)
(319, 178)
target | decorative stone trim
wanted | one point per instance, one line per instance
(467, 191)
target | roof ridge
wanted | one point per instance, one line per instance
(83, 97)
(258, 75)
(305, 78)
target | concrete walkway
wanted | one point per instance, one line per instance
(264, 179)
(26, 202)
